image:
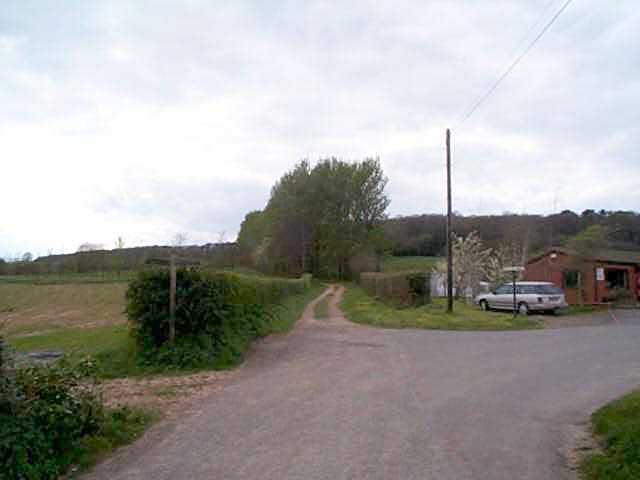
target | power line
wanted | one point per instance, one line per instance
(513, 65)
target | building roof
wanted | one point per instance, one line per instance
(604, 255)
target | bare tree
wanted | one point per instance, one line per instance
(179, 239)
(120, 243)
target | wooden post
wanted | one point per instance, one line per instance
(172, 300)
(449, 246)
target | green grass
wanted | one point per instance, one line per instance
(112, 347)
(321, 310)
(361, 308)
(617, 426)
(401, 264)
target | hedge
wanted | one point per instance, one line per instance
(399, 289)
(217, 315)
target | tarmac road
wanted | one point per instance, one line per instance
(332, 400)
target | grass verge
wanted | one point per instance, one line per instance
(321, 310)
(361, 308)
(291, 309)
(120, 427)
(579, 310)
(617, 427)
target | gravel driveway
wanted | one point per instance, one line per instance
(332, 400)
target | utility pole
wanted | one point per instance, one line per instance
(172, 299)
(449, 253)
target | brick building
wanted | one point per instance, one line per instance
(598, 275)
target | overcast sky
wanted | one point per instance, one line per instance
(142, 119)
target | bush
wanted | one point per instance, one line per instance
(400, 289)
(47, 416)
(622, 296)
(217, 315)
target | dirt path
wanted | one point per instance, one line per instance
(334, 400)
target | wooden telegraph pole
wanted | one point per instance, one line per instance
(172, 262)
(449, 252)
(172, 299)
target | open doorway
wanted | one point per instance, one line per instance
(616, 278)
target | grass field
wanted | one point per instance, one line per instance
(28, 308)
(361, 308)
(89, 319)
(617, 427)
(401, 264)
(63, 278)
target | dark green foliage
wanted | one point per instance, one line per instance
(420, 287)
(217, 315)
(400, 288)
(618, 426)
(53, 417)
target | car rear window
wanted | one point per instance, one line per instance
(549, 290)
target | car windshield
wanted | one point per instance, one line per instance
(549, 290)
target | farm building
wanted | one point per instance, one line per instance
(601, 276)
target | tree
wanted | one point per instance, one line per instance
(27, 257)
(318, 218)
(120, 243)
(494, 267)
(469, 263)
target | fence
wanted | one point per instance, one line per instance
(400, 289)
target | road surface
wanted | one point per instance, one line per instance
(332, 400)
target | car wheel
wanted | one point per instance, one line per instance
(523, 309)
(484, 305)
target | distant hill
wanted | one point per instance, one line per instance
(425, 235)
(213, 254)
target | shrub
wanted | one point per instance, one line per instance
(622, 296)
(400, 289)
(47, 419)
(217, 315)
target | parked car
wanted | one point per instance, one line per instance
(530, 296)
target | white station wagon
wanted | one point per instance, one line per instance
(530, 296)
